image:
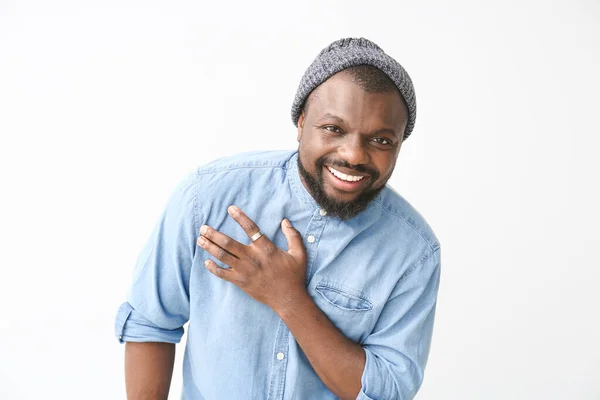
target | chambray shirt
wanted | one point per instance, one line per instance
(375, 276)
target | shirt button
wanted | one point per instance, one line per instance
(322, 212)
(120, 337)
(311, 239)
(280, 356)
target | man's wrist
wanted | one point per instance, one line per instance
(292, 303)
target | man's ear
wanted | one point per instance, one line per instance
(300, 126)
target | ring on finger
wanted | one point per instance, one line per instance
(256, 236)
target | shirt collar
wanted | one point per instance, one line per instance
(297, 185)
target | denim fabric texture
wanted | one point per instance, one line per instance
(375, 276)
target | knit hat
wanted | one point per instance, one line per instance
(349, 52)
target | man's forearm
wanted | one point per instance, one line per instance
(148, 370)
(337, 360)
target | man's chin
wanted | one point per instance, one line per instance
(339, 197)
(346, 205)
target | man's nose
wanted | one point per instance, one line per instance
(353, 150)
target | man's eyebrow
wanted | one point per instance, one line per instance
(329, 115)
(385, 130)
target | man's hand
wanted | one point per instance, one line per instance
(262, 270)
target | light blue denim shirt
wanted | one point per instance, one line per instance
(376, 277)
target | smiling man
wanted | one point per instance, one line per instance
(302, 274)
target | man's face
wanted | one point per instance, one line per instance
(349, 142)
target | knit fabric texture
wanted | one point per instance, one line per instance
(349, 52)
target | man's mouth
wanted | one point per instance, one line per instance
(345, 177)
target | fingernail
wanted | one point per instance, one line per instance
(206, 263)
(201, 241)
(287, 222)
(232, 209)
(203, 229)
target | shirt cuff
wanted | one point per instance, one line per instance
(383, 379)
(131, 326)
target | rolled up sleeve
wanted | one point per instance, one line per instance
(398, 348)
(157, 303)
(131, 326)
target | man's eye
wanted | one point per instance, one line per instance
(332, 128)
(383, 141)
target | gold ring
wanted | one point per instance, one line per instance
(256, 236)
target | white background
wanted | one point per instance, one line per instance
(106, 105)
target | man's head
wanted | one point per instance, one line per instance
(350, 129)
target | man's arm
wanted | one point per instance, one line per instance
(148, 370)
(151, 320)
(390, 362)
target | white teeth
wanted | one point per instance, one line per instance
(344, 177)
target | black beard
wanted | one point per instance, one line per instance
(338, 209)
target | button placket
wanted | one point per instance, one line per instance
(313, 234)
(279, 363)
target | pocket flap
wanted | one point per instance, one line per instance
(343, 300)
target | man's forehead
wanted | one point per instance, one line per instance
(339, 93)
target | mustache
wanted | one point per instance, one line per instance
(345, 164)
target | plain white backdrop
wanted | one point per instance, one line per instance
(106, 105)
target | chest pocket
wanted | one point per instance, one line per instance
(348, 309)
(343, 300)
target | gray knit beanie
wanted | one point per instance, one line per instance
(349, 52)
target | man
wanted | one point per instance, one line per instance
(302, 275)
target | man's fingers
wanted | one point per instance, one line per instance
(294, 239)
(216, 251)
(223, 241)
(223, 273)
(246, 223)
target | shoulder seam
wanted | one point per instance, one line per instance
(201, 171)
(426, 256)
(432, 246)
